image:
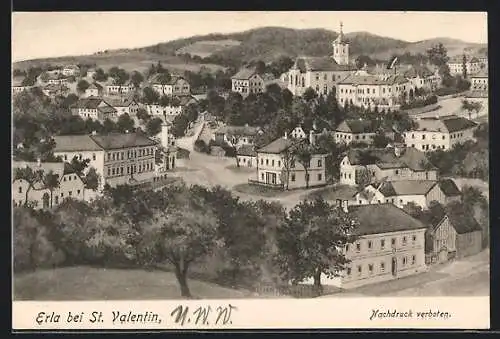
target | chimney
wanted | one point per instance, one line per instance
(311, 137)
(94, 132)
(345, 205)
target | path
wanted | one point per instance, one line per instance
(450, 106)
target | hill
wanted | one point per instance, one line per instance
(266, 43)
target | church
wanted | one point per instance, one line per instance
(320, 73)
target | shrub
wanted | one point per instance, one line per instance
(201, 146)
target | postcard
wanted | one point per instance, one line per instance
(245, 170)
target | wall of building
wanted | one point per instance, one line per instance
(247, 161)
(136, 162)
(469, 244)
(444, 237)
(426, 141)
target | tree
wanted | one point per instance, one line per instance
(470, 107)
(464, 66)
(100, 75)
(136, 78)
(303, 153)
(125, 123)
(92, 179)
(51, 181)
(150, 96)
(78, 165)
(30, 176)
(142, 114)
(438, 55)
(309, 94)
(311, 242)
(82, 86)
(363, 178)
(288, 159)
(181, 233)
(380, 140)
(164, 101)
(413, 209)
(260, 67)
(153, 126)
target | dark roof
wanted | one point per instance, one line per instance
(305, 64)
(244, 74)
(173, 79)
(356, 126)
(386, 158)
(406, 187)
(464, 223)
(481, 74)
(88, 103)
(106, 109)
(383, 218)
(277, 146)
(450, 124)
(121, 101)
(357, 79)
(247, 150)
(68, 169)
(71, 143)
(449, 187)
(238, 130)
(122, 140)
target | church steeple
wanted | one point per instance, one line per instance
(341, 48)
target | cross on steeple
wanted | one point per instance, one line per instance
(341, 25)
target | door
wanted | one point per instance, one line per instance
(270, 178)
(46, 200)
(394, 266)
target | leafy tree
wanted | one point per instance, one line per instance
(82, 85)
(380, 140)
(363, 178)
(92, 179)
(303, 153)
(309, 94)
(464, 66)
(125, 123)
(30, 176)
(78, 165)
(438, 55)
(288, 159)
(153, 126)
(100, 75)
(150, 96)
(413, 209)
(142, 114)
(136, 78)
(311, 242)
(471, 107)
(165, 100)
(260, 67)
(181, 233)
(51, 181)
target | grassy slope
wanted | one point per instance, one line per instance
(87, 283)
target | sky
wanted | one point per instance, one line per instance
(53, 34)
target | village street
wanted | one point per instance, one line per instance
(464, 277)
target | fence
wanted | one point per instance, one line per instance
(296, 291)
(265, 184)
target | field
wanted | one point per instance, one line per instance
(207, 47)
(88, 283)
(128, 60)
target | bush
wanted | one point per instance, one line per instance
(201, 146)
(443, 91)
(417, 103)
(229, 150)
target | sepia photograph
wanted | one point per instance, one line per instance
(290, 156)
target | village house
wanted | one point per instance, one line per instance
(177, 85)
(70, 185)
(94, 108)
(246, 156)
(277, 167)
(119, 158)
(247, 81)
(479, 81)
(355, 131)
(401, 192)
(391, 245)
(454, 237)
(391, 163)
(422, 77)
(52, 90)
(236, 136)
(384, 92)
(320, 73)
(71, 70)
(111, 88)
(302, 131)
(123, 105)
(17, 85)
(94, 90)
(442, 132)
(176, 107)
(91, 72)
(57, 79)
(472, 64)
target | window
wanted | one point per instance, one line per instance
(93, 156)
(267, 162)
(423, 136)
(370, 244)
(70, 193)
(121, 170)
(413, 259)
(122, 155)
(393, 241)
(64, 179)
(370, 268)
(56, 199)
(272, 163)
(78, 192)
(358, 246)
(319, 163)
(293, 177)
(404, 240)
(262, 161)
(69, 178)
(397, 171)
(20, 190)
(62, 194)
(347, 248)
(279, 163)
(113, 171)
(320, 177)
(109, 172)
(414, 238)
(382, 243)
(360, 269)
(404, 261)
(348, 271)
(382, 267)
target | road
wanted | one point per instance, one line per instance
(467, 276)
(451, 106)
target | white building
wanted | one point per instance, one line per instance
(472, 64)
(247, 81)
(71, 70)
(349, 131)
(276, 167)
(113, 89)
(422, 77)
(246, 156)
(176, 86)
(442, 132)
(479, 81)
(94, 90)
(391, 245)
(123, 105)
(17, 85)
(94, 108)
(237, 136)
(119, 158)
(391, 163)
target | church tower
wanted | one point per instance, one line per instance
(341, 48)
